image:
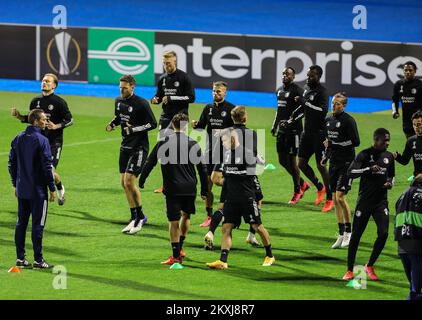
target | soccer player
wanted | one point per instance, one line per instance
(240, 196)
(214, 117)
(342, 137)
(288, 138)
(409, 92)
(175, 91)
(375, 166)
(413, 148)
(32, 174)
(314, 107)
(408, 234)
(217, 178)
(59, 118)
(135, 118)
(178, 155)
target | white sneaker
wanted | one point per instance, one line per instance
(136, 229)
(251, 239)
(346, 239)
(129, 226)
(209, 241)
(60, 196)
(338, 242)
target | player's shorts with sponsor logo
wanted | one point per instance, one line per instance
(132, 161)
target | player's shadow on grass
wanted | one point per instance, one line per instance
(308, 206)
(47, 249)
(133, 285)
(112, 191)
(83, 215)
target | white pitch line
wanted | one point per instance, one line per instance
(76, 144)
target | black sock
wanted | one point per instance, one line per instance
(301, 181)
(132, 214)
(251, 230)
(296, 188)
(176, 249)
(317, 184)
(181, 240)
(348, 227)
(329, 193)
(341, 229)
(209, 211)
(224, 255)
(268, 251)
(59, 186)
(215, 220)
(139, 213)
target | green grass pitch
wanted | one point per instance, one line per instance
(84, 235)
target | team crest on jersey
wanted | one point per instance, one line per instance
(358, 213)
(338, 124)
(401, 89)
(287, 94)
(50, 107)
(130, 109)
(414, 91)
(385, 160)
(223, 114)
(311, 97)
(237, 160)
(176, 84)
(414, 145)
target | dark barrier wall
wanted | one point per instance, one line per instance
(250, 63)
(17, 54)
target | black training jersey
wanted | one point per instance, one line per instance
(343, 136)
(413, 149)
(134, 112)
(371, 188)
(239, 175)
(410, 95)
(56, 110)
(180, 92)
(286, 104)
(216, 116)
(314, 107)
(178, 155)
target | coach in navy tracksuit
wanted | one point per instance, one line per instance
(31, 170)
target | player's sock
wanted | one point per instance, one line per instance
(268, 251)
(139, 213)
(317, 184)
(348, 227)
(209, 211)
(175, 246)
(301, 181)
(341, 228)
(181, 241)
(132, 214)
(59, 186)
(329, 193)
(251, 230)
(224, 255)
(297, 188)
(215, 220)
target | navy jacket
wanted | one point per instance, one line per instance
(30, 164)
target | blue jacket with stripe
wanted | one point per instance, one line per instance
(30, 165)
